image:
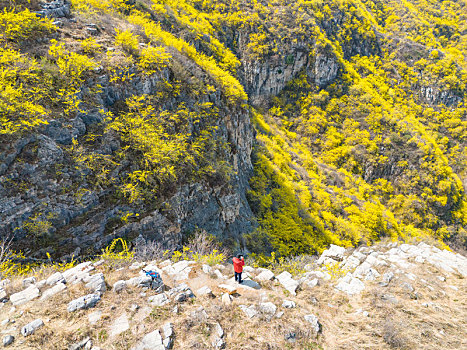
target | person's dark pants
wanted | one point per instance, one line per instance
(238, 277)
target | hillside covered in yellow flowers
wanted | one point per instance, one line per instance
(278, 126)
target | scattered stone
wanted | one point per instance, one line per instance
(248, 269)
(372, 274)
(98, 263)
(94, 317)
(226, 299)
(120, 325)
(289, 304)
(119, 286)
(390, 298)
(159, 300)
(313, 320)
(151, 341)
(218, 331)
(207, 269)
(199, 315)
(219, 274)
(290, 337)
(218, 343)
(285, 278)
(55, 278)
(334, 252)
(204, 291)
(350, 285)
(29, 281)
(311, 283)
(227, 288)
(441, 278)
(407, 286)
(279, 314)
(5, 321)
(134, 307)
(8, 339)
(140, 281)
(84, 344)
(41, 284)
(31, 327)
(267, 308)
(362, 312)
(96, 283)
(52, 291)
(24, 296)
(84, 302)
(168, 333)
(250, 311)
(265, 275)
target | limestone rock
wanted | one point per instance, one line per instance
(84, 302)
(350, 285)
(226, 299)
(265, 275)
(288, 304)
(96, 283)
(159, 300)
(204, 291)
(55, 278)
(119, 286)
(53, 290)
(29, 281)
(8, 339)
(94, 317)
(120, 325)
(24, 296)
(151, 341)
(313, 320)
(334, 252)
(267, 308)
(31, 327)
(227, 288)
(250, 311)
(285, 278)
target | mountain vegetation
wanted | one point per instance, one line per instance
(359, 110)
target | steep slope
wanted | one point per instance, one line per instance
(128, 118)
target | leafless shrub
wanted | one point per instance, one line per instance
(148, 250)
(392, 335)
(203, 243)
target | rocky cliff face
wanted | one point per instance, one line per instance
(335, 74)
(41, 162)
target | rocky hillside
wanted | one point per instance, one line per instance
(381, 297)
(279, 126)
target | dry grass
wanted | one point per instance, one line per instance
(405, 324)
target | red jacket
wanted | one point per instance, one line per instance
(238, 264)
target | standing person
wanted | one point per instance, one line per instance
(238, 263)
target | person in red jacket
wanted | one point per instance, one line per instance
(238, 263)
